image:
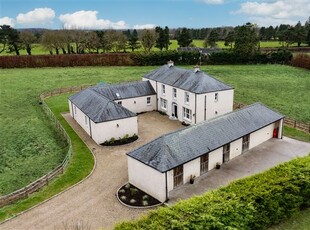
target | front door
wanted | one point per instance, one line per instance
(178, 176)
(175, 110)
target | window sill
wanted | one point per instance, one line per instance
(186, 119)
(148, 104)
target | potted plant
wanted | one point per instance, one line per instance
(192, 179)
(218, 165)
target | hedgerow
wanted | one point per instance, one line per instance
(302, 61)
(230, 57)
(255, 202)
(160, 58)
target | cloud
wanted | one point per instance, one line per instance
(38, 16)
(276, 12)
(212, 1)
(88, 20)
(144, 26)
(7, 21)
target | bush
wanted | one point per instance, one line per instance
(161, 58)
(230, 57)
(302, 61)
(255, 202)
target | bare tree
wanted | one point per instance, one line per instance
(27, 39)
(148, 39)
(92, 41)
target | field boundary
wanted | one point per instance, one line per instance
(44, 180)
(287, 121)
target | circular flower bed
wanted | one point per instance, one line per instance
(132, 196)
(122, 141)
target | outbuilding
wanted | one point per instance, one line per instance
(172, 159)
(109, 111)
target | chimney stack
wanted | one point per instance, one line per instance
(196, 68)
(170, 63)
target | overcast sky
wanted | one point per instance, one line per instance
(128, 14)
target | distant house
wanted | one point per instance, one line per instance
(109, 111)
(191, 96)
(170, 160)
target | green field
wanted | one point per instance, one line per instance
(300, 221)
(39, 50)
(30, 148)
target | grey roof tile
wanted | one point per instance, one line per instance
(126, 90)
(179, 147)
(99, 108)
(196, 82)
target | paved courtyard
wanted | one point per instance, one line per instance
(93, 202)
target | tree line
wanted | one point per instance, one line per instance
(104, 41)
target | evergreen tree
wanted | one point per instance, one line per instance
(299, 34)
(246, 40)
(230, 38)
(211, 39)
(184, 39)
(160, 40)
(167, 37)
(133, 40)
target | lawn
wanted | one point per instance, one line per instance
(300, 221)
(30, 148)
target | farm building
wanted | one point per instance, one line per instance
(190, 96)
(172, 159)
(109, 111)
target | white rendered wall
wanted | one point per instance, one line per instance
(215, 156)
(79, 116)
(147, 179)
(235, 148)
(261, 135)
(104, 131)
(70, 108)
(223, 105)
(138, 104)
(191, 168)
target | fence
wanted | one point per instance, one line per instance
(288, 121)
(44, 180)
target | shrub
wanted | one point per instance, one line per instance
(302, 61)
(255, 202)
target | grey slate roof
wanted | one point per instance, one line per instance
(185, 79)
(179, 147)
(99, 108)
(127, 90)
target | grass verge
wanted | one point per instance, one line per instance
(296, 134)
(81, 164)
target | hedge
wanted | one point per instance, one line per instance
(230, 57)
(161, 58)
(302, 61)
(65, 60)
(255, 202)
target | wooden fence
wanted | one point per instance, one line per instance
(287, 121)
(44, 180)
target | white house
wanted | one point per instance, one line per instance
(190, 96)
(109, 111)
(170, 160)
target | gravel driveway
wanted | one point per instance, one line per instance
(93, 202)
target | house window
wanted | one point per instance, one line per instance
(216, 97)
(186, 96)
(86, 120)
(204, 163)
(174, 93)
(178, 176)
(119, 102)
(163, 89)
(163, 103)
(187, 113)
(148, 100)
(226, 153)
